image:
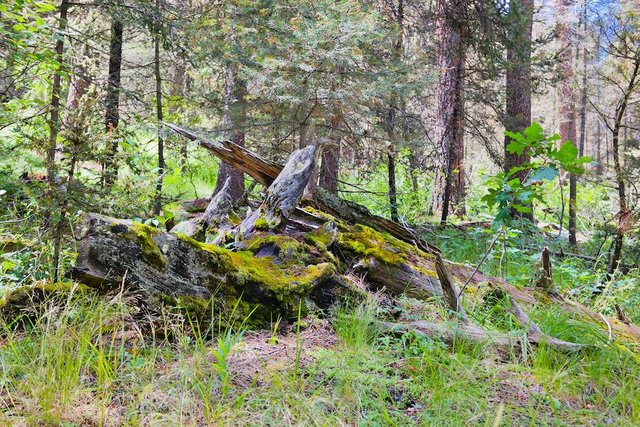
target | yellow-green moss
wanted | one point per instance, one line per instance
(34, 295)
(291, 251)
(319, 213)
(144, 235)
(245, 267)
(363, 240)
(10, 244)
(261, 224)
(322, 237)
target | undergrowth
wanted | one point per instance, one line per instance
(91, 360)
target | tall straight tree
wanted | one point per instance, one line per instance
(56, 89)
(518, 84)
(233, 119)
(112, 102)
(395, 103)
(330, 165)
(566, 99)
(232, 122)
(448, 192)
(157, 40)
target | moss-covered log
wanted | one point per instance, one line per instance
(177, 269)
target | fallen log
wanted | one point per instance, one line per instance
(265, 172)
(175, 269)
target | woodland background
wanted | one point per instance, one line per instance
(408, 102)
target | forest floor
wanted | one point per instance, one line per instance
(91, 360)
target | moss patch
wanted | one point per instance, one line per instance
(289, 250)
(385, 248)
(245, 267)
(144, 235)
(30, 301)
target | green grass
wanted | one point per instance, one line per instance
(86, 360)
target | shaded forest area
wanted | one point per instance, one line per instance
(315, 212)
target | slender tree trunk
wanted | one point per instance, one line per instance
(624, 214)
(112, 102)
(518, 86)
(413, 171)
(56, 89)
(583, 95)
(331, 155)
(157, 206)
(448, 192)
(54, 129)
(393, 197)
(179, 87)
(566, 98)
(233, 122)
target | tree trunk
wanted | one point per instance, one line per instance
(265, 172)
(266, 270)
(624, 215)
(448, 190)
(566, 98)
(518, 86)
(393, 192)
(283, 195)
(112, 102)
(56, 89)
(233, 122)
(583, 89)
(331, 155)
(157, 206)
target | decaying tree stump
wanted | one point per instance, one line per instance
(289, 255)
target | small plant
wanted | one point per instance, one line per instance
(355, 326)
(509, 192)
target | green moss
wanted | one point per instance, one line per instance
(245, 267)
(10, 244)
(144, 235)
(290, 250)
(363, 240)
(318, 213)
(323, 237)
(34, 298)
(261, 224)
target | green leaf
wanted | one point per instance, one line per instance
(567, 153)
(543, 174)
(516, 147)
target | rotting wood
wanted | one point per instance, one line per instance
(215, 215)
(265, 172)
(449, 289)
(282, 196)
(544, 280)
(534, 333)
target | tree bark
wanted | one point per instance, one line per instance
(393, 192)
(214, 218)
(331, 155)
(624, 214)
(56, 89)
(112, 102)
(448, 190)
(566, 97)
(233, 123)
(518, 86)
(157, 206)
(283, 195)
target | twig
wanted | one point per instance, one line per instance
(484, 257)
